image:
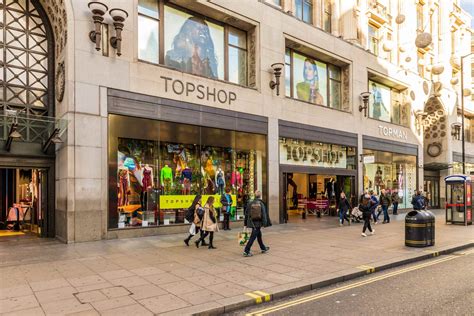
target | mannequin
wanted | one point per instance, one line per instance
(237, 180)
(210, 168)
(330, 189)
(124, 186)
(147, 182)
(378, 180)
(292, 183)
(166, 178)
(186, 176)
(220, 181)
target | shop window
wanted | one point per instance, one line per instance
(157, 168)
(385, 104)
(327, 16)
(275, 2)
(395, 173)
(313, 81)
(191, 43)
(304, 10)
(374, 39)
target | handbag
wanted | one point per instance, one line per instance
(243, 237)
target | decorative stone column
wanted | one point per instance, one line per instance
(335, 17)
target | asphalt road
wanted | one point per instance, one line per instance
(431, 287)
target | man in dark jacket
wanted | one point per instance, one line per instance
(226, 201)
(364, 207)
(256, 217)
(385, 201)
(418, 201)
(395, 201)
(373, 203)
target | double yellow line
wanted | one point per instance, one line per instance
(354, 285)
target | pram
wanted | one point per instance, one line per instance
(356, 215)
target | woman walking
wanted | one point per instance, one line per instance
(192, 215)
(366, 213)
(209, 223)
(343, 206)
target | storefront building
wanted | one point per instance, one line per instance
(122, 119)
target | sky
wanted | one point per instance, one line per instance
(468, 5)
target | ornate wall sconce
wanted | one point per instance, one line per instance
(98, 10)
(456, 131)
(119, 16)
(277, 67)
(365, 99)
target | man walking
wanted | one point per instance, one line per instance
(385, 201)
(373, 203)
(226, 201)
(395, 201)
(418, 201)
(364, 207)
(256, 217)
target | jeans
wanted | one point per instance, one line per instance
(342, 216)
(395, 208)
(386, 218)
(374, 215)
(367, 224)
(226, 223)
(256, 234)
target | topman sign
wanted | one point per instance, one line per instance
(393, 132)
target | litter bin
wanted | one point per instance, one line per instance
(419, 229)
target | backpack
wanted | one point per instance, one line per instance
(256, 211)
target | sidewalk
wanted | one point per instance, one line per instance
(154, 275)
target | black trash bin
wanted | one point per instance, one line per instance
(419, 231)
(431, 227)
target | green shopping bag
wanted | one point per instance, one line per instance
(243, 237)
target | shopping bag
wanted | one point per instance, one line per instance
(192, 229)
(243, 237)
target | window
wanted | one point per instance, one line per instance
(421, 64)
(274, 2)
(327, 16)
(389, 53)
(385, 104)
(191, 43)
(373, 39)
(313, 81)
(419, 18)
(304, 10)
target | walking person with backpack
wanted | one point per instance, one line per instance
(194, 215)
(418, 201)
(226, 201)
(343, 206)
(256, 217)
(209, 223)
(364, 207)
(385, 201)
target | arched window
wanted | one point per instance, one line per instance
(26, 59)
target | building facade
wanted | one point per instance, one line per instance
(114, 120)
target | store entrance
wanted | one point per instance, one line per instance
(307, 194)
(23, 202)
(431, 187)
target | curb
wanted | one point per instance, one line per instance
(243, 303)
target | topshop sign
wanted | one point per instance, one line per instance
(312, 154)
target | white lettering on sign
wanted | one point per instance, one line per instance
(393, 132)
(316, 155)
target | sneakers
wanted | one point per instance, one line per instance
(340, 225)
(266, 250)
(364, 235)
(373, 232)
(186, 241)
(247, 254)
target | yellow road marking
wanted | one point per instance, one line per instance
(368, 269)
(266, 296)
(259, 296)
(351, 286)
(434, 253)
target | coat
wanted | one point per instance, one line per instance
(226, 206)
(344, 205)
(197, 220)
(385, 200)
(209, 221)
(395, 198)
(265, 222)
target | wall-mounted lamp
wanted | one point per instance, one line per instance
(119, 16)
(98, 10)
(365, 99)
(53, 139)
(12, 135)
(456, 131)
(277, 67)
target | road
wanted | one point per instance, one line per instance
(443, 285)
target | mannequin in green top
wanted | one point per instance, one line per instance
(166, 178)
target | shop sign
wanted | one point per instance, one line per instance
(314, 155)
(393, 132)
(170, 202)
(199, 91)
(369, 159)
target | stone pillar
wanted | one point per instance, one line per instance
(318, 13)
(335, 17)
(348, 21)
(274, 194)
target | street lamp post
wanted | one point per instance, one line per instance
(462, 116)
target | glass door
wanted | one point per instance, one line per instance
(455, 204)
(431, 187)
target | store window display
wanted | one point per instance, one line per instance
(394, 173)
(159, 173)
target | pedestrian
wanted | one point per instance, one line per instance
(226, 201)
(364, 207)
(374, 203)
(343, 206)
(395, 201)
(194, 216)
(385, 201)
(209, 223)
(418, 201)
(256, 217)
